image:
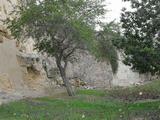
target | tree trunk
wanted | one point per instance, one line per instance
(65, 79)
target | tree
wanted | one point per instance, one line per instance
(59, 28)
(106, 40)
(141, 29)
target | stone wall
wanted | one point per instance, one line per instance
(126, 76)
(88, 69)
(99, 74)
(84, 69)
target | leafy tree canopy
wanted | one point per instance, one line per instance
(107, 39)
(141, 27)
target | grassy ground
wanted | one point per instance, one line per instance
(87, 105)
(148, 91)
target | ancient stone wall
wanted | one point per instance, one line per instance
(88, 69)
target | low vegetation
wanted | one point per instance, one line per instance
(147, 91)
(87, 105)
(81, 107)
(100, 93)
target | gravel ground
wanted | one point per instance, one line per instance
(17, 95)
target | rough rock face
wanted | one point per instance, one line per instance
(85, 69)
(88, 69)
(9, 68)
(33, 72)
(5, 83)
(17, 78)
(6, 7)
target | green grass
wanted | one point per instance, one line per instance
(58, 109)
(92, 108)
(87, 105)
(100, 93)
